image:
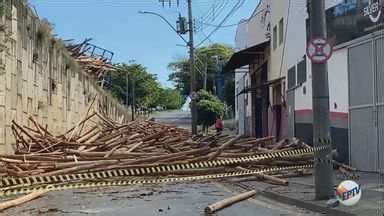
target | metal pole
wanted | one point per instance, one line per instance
(133, 108)
(324, 180)
(205, 75)
(166, 21)
(192, 69)
(217, 76)
(127, 90)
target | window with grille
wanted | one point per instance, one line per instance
(281, 31)
(302, 71)
(292, 77)
(274, 37)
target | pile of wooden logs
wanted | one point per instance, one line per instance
(97, 66)
(110, 145)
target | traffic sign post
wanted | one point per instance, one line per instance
(319, 50)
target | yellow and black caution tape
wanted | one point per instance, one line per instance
(126, 182)
(5, 183)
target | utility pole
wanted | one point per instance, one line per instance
(181, 30)
(324, 181)
(133, 108)
(127, 90)
(192, 69)
(205, 74)
(217, 75)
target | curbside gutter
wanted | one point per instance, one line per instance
(304, 204)
(296, 202)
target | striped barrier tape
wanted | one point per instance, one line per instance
(10, 182)
(68, 186)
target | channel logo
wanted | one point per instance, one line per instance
(348, 193)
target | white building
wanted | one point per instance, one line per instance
(273, 76)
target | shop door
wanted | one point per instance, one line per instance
(379, 44)
(242, 108)
(362, 109)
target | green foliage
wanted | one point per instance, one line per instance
(208, 107)
(180, 75)
(58, 44)
(171, 99)
(229, 93)
(70, 62)
(6, 8)
(43, 33)
(148, 91)
(204, 56)
(144, 83)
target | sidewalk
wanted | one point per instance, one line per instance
(300, 192)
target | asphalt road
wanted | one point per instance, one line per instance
(186, 199)
(176, 199)
(176, 117)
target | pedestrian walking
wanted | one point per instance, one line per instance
(219, 124)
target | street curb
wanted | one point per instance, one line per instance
(303, 204)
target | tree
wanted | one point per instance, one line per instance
(148, 91)
(180, 75)
(229, 93)
(209, 56)
(208, 107)
(171, 99)
(147, 88)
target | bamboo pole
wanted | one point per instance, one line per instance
(21, 200)
(267, 177)
(222, 147)
(89, 109)
(229, 201)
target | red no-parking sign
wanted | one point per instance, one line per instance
(319, 50)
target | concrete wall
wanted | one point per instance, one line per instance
(250, 32)
(46, 87)
(255, 30)
(338, 81)
(279, 10)
(337, 65)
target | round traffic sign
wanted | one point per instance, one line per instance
(319, 50)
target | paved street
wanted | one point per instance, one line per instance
(188, 199)
(176, 199)
(176, 117)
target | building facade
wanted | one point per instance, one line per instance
(274, 82)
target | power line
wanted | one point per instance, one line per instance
(205, 35)
(200, 5)
(210, 10)
(285, 37)
(231, 12)
(235, 24)
(219, 9)
(247, 20)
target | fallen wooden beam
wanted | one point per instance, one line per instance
(222, 147)
(345, 166)
(229, 201)
(21, 200)
(267, 177)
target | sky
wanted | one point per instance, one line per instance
(117, 26)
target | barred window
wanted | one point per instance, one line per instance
(302, 71)
(292, 77)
